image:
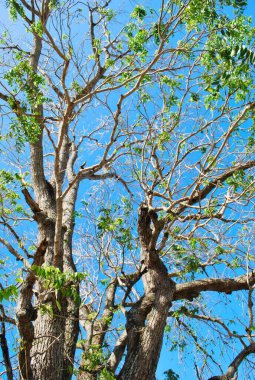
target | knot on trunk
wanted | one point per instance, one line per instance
(144, 225)
(43, 219)
(26, 314)
(149, 229)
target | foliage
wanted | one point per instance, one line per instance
(57, 281)
(171, 375)
(129, 137)
(9, 292)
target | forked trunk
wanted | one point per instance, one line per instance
(48, 329)
(146, 331)
(147, 319)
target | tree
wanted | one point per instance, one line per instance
(157, 104)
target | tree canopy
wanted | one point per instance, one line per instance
(127, 190)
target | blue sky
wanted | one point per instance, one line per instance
(168, 359)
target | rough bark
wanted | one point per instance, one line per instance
(145, 327)
(192, 289)
(26, 314)
(48, 347)
(147, 319)
(49, 339)
(53, 347)
(55, 338)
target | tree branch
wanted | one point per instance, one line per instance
(26, 312)
(118, 352)
(202, 194)
(4, 347)
(15, 253)
(30, 201)
(233, 368)
(191, 290)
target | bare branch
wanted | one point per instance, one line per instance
(30, 201)
(191, 290)
(118, 352)
(14, 252)
(4, 347)
(233, 367)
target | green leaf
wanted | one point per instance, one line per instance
(138, 13)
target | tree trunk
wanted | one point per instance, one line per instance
(147, 319)
(143, 355)
(49, 336)
(145, 327)
(47, 350)
(55, 332)
(49, 326)
(72, 320)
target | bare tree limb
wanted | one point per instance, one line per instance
(202, 194)
(233, 367)
(14, 252)
(4, 347)
(26, 312)
(118, 352)
(191, 290)
(30, 201)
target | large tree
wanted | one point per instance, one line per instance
(127, 187)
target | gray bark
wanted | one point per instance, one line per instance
(147, 319)
(72, 320)
(145, 327)
(48, 341)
